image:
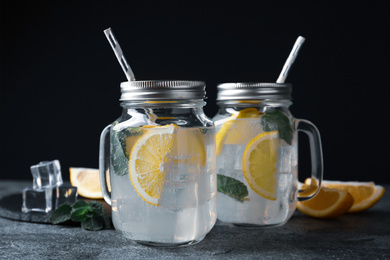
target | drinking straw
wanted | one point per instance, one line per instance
(290, 60)
(119, 54)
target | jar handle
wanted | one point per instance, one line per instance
(104, 164)
(317, 165)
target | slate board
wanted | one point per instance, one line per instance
(11, 205)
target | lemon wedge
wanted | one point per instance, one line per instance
(365, 194)
(259, 164)
(87, 182)
(328, 203)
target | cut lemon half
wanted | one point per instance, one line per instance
(365, 194)
(328, 203)
(259, 164)
(87, 182)
(148, 161)
(237, 130)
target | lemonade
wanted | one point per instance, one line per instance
(255, 209)
(182, 207)
(160, 155)
(257, 154)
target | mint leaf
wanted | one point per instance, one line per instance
(276, 120)
(96, 205)
(98, 213)
(119, 160)
(80, 204)
(93, 224)
(106, 221)
(119, 155)
(91, 215)
(124, 133)
(81, 214)
(61, 214)
(232, 187)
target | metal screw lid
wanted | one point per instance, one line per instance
(162, 90)
(254, 90)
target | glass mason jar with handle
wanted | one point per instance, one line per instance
(257, 154)
(160, 155)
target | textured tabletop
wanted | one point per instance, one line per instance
(359, 236)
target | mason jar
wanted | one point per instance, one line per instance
(160, 155)
(257, 154)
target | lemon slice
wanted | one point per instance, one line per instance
(236, 131)
(148, 160)
(365, 194)
(188, 145)
(328, 203)
(130, 141)
(197, 147)
(259, 164)
(87, 182)
(190, 148)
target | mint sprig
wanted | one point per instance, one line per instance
(120, 157)
(275, 120)
(119, 160)
(124, 133)
(232, 187)
(91, 215)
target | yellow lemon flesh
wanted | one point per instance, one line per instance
(259, 164)
(189, 143)
(155, 150)
(148, 159)
(190, 147)
(238, 131)
(87, 182)
(328, 203)
(365, 194)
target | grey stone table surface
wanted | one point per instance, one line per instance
(364, 235)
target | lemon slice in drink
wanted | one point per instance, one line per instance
(236, 131)
(190, 146)
(148, 160)
(259, 164)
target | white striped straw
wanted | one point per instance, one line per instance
(119, 54)
(290, 60)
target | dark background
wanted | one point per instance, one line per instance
(60, 78)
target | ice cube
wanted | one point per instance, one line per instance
(64, 194)
(48, 191)
(46, 174)
(284, 159)
(231, 157)
(37, 200)
(45, 200)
